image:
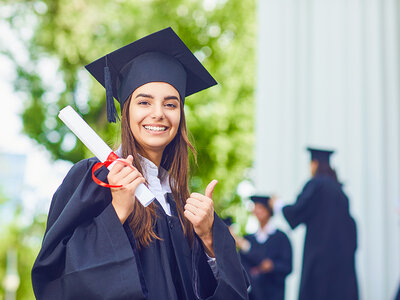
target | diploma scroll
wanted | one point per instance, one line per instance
(98, 147)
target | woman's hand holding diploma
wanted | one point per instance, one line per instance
(199, 210)
(123, 198)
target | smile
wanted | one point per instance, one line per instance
(155, 128)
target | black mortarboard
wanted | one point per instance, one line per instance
(161, 56)
(320, 155)
(228, 221)
(264, 200)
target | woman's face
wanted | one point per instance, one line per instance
(155, 113)
(261, 213)
(314, 167)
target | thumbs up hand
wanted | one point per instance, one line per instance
(199, 210)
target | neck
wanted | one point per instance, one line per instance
(153, 156)
(263, 223)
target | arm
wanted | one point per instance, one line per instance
(85, 244)
(304, 206)
(213, 237)
(283, 262)
(232, 282)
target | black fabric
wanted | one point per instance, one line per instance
(130, 69)
(270, 285)
(87, 253)
(330, 243)
(320, 154)
(152, 67)
(228, 221)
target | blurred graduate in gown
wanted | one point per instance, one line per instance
(266, 255)
(331, 239)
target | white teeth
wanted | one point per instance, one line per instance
(154, 128)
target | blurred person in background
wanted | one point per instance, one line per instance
(266, 255)
(100, 243)
(328, 271)
(397, 297)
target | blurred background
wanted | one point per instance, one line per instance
(291, 74)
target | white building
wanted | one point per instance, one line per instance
(328, 76)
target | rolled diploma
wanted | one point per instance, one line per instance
(98, 147)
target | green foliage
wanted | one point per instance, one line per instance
(25, 240)
(75, 32)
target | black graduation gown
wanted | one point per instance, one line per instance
(398, 294)
(268, 286)
(88, 254)
(330, 243)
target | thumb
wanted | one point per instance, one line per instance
(130, 160)
(210, 188)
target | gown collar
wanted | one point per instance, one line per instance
(265, 232)
(157, 179)
(158, 182)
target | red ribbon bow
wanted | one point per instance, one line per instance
(110, 159)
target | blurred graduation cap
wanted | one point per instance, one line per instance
(228, 221)
(264, 200)
(320, 154)
(159, 57)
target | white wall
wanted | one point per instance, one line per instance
(328, 76)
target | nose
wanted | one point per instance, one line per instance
(157, 112)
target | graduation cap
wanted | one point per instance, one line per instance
(264, 200)
(320, 155)
(159, 57)
(228, 221)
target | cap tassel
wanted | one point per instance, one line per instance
(112, 114)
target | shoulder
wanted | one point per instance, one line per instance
(280, 234)
(79, 173)
(77, 186)
(325, 183)
(281, 238)
(324, 180)
(317, 180)
(79, 169)
(83, 165)
(314, 183)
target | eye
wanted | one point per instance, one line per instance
(171, 105)
(143, 102)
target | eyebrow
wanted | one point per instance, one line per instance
(171, 98)
(152, 97)
(144, 95)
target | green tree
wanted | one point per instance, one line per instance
(25, 240)
(72, 33)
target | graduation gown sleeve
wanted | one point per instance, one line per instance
(283, 261)
(232, 281)
(85, 253)
(304, 206)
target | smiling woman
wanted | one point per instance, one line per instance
(101, 243)
(155, 112)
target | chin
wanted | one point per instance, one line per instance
(155, 147)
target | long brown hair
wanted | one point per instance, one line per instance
(325, 169)
(175, 161)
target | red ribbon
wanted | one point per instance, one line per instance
(110, 159)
